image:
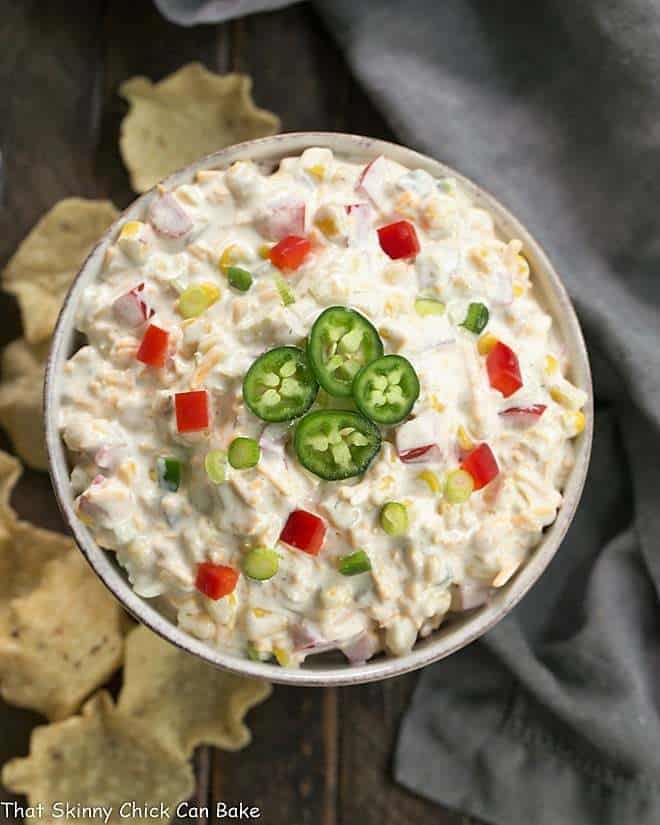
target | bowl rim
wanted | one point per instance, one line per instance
(463, 628)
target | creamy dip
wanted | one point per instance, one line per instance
(242, 261)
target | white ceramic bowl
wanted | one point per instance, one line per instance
(459, 630)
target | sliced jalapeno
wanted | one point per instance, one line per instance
(280, 385)
(386, 390)
(336, 444)
(341, 342)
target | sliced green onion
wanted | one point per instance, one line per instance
(429, 306)
(458, 486)
(354, 563)
(239, 278)
(476, 318)
(215, 465)
(244, 453)
(169, 473)
(286, 293)
(256, 655)
(261, 563)
(394, 518)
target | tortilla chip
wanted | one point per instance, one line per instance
(184, 700)
(46, 262)
(10, 471)
(63, 640)
(21, 396)
(189, 114)
(101, 758)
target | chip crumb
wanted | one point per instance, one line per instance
(186, 701)
(100, 758)
(184, 117)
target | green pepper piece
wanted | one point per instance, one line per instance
(336, 444)
(239, 278)
(341, 342)
(354, 563)
(386, 390)
(169, 473)
(280, 385)
(476, 318)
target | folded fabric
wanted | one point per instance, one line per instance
(553, 718)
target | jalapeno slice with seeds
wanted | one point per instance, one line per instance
(341, 342)
(280, 385)
(336, 444)
(386, 390)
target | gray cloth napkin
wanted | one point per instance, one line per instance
(554, 716)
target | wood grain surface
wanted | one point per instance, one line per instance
(319, 757)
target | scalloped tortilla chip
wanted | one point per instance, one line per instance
(99, 759)
(184, 700)
(64, 640)
(189, 114)
(44, 265)
(10, 471)
(21, 393)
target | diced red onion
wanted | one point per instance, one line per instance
(168, 217)
(421, 455)
(361, 648)
(131, 308)
(360, 217)
(503, 292)
(307, 637)
(524, 416)
(468, 595)
(107, 457)
(284, 219)
(373, 180)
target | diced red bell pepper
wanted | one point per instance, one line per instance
(480, 463)
(153, 349)
(192, 410)
(503, 369)
(399, 240)
(290, 252)
(215, 580)
(305, 531)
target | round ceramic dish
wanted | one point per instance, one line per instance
(460, 629)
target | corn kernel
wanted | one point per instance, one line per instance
(523, 266)
(130, 229)
(575, 422)
(259, 613)
(518, 290)
(231, 256)
(551, 364)
(126, 471)
(436, 403)
(464, 440)
(327, 225)
(486, 343)
(318, 170)
(264, 251)
(557, 395)
(430, 479)
(282, 656)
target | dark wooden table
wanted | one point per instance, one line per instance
(318, 756)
